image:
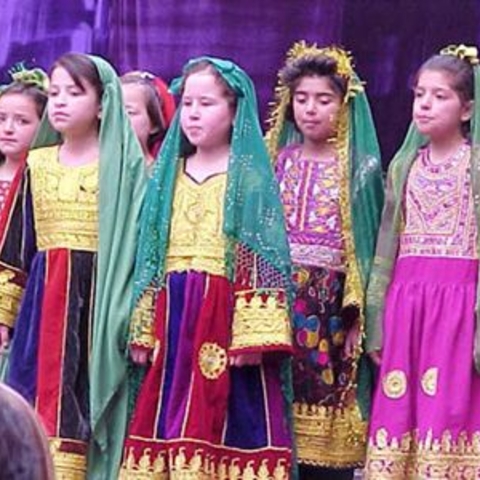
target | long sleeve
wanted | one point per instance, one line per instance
(261, 320)
(142, 325)
(17, 248)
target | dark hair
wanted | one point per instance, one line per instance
(205, 66)
(24, 453)
(229, 93)
(461, 74)
(312, 66)
(81, 69)
(31, 91)
(153, 103)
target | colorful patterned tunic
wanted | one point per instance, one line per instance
(328, 427)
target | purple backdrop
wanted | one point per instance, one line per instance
(389, 38)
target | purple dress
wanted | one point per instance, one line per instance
(426, 413)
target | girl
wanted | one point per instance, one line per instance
(211, 299)
(327, 163)
(21, 107)
(424, 288)
(150, 107)
(67, 251)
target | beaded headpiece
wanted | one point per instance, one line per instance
(35, 77)
(464, 52)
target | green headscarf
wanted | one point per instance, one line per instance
(388, 240)
(253, 213)
(122, 178)
(361, 185)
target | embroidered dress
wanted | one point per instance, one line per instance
(332, 211)
(426, 414)
(321, 370)
(48, 257)
(196, 415)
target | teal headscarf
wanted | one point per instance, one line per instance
(361, 184)
(388, 239)
(253, 213)
(122, 179)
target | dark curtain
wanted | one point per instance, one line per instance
(389, 38)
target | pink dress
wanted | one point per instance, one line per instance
(426, 413)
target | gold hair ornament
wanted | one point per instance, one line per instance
(35, 77)
(464, 52)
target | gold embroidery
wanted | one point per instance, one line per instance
(201, 466)
(65, 202)
(429, 381)
(394, 384)
(258, 322)
(354, 292)
(326, 436)
(411, 457)
(212, 360)
(145, 468)
(67, 465)
(141, 326)
(197, 241)
(10, 295)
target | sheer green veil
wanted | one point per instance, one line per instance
(361, 189)
(387, 245)
(253, 214)
(122, 179)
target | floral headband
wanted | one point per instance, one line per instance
(464, 52)
(342, 58)
(35, 77)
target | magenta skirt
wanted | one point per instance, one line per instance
(425, 420)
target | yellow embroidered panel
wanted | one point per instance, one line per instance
(329, 437)
(67, 465)
(411, 457)
(142, 324)
(65, 202)
(179, 465)
(197, 241)
(11, 291)
(260, 322)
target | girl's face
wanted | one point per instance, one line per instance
(438, 110)
(18, 124)
(71, 110)
(315, 108)
(135, 99)
(206, 116)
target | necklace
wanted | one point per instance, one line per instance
(447, 164)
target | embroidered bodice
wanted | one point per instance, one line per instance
(197, 241)
(439, 208)
(310, 191)
(65, 202)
